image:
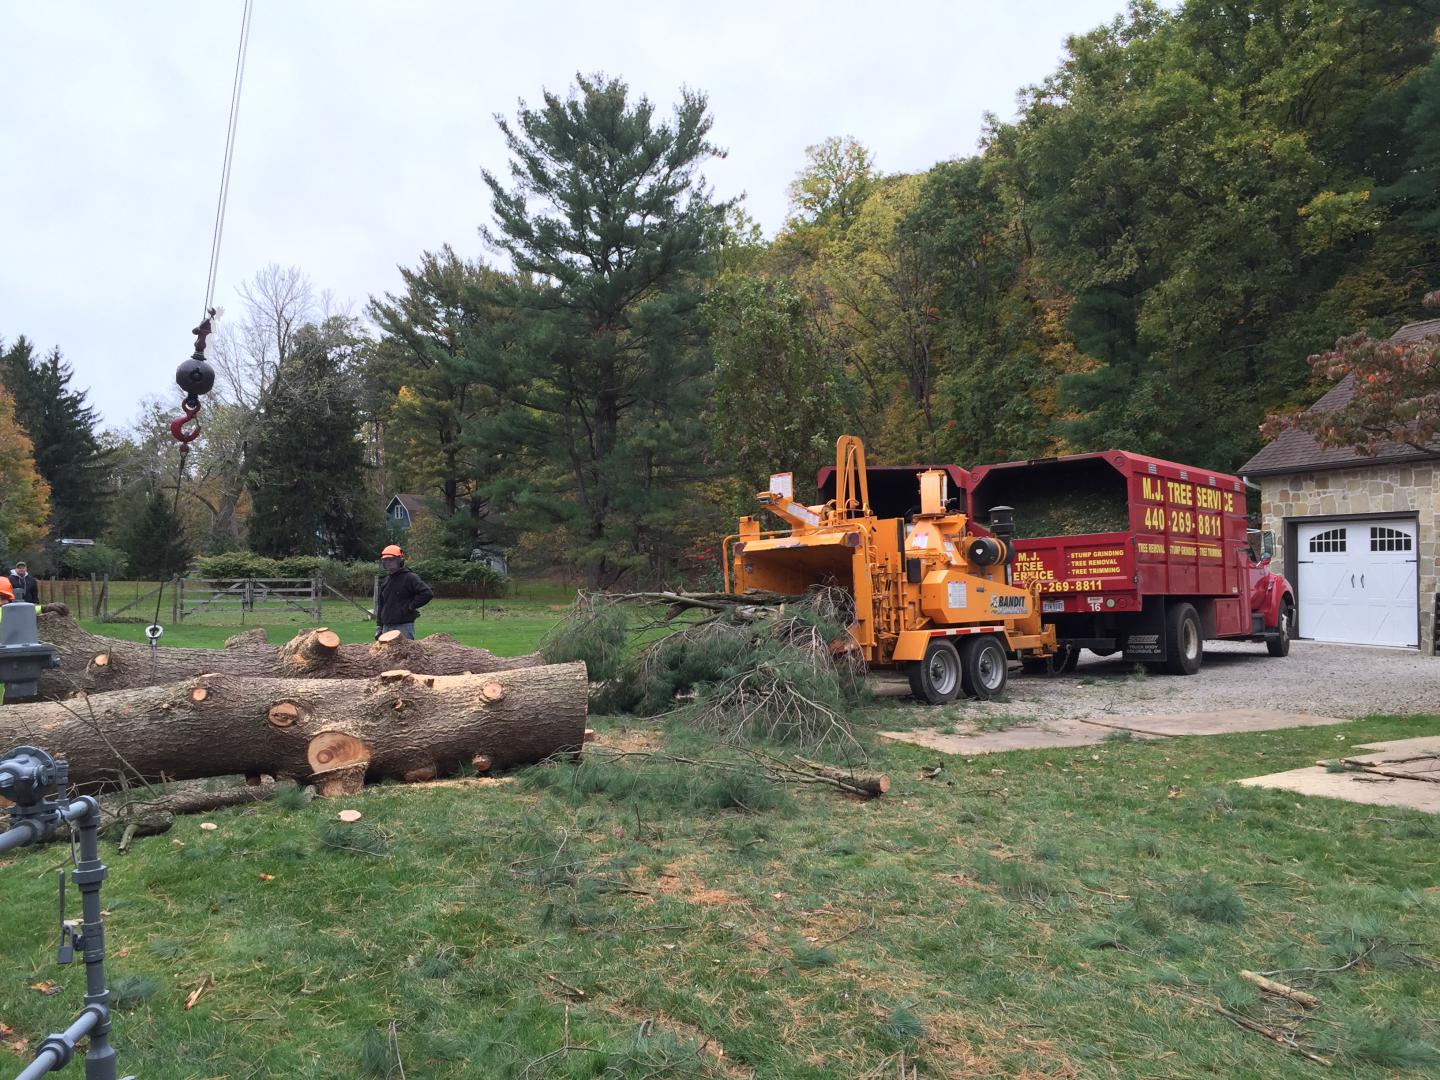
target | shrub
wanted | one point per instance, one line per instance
(99, 560)
(236, 564)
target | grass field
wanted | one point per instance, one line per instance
(1070, 913)
(508, 626)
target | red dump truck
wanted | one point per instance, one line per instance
(1135, 555)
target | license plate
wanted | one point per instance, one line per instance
(1052, 605)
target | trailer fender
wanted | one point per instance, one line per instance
(913, 643)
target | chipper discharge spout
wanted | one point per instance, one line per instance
(933, 595)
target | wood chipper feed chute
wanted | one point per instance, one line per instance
(931, 596)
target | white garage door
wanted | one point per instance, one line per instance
(1358, 582)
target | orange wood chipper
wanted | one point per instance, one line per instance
(933, 595)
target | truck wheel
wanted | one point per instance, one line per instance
(936, 679)
(985, 667)
(1279, 645)
(1185, 647)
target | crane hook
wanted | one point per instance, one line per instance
(195, 376)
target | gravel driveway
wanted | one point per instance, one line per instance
(1325, 680)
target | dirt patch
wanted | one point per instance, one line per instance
(629, 740)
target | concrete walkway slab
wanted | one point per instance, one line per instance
(1221, 722)
(1054, 734)
(1399, 758)
(1354, 787)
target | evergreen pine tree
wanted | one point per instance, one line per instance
(307, 483)
(68, 454)
(155, 540)
(601, 367)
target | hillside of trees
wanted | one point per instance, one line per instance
(1195, 202)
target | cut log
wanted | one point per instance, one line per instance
(392, 726)
(90, 662)
(146, 815)
(862, 783)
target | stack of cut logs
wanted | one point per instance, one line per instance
(312, 709)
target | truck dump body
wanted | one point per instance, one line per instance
(1115, 529)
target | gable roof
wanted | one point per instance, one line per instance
(414, 505)
(1297, 451)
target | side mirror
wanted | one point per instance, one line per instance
(1267, 546)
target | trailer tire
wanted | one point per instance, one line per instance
(937, 679)
(985, 667)
(1184, 640)
(1279, 645)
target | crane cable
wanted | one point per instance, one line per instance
(236, 85)
(195, 384)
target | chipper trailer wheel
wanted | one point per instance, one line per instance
(936, 679)
(984, 667)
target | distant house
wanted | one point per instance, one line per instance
(1358, 536)
(403, 511)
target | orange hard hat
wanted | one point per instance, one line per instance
(392, 549)
(6, 589)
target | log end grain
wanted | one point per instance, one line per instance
(396, 675)
(326, 640)
(481, 763)
(331, 750)
(199, 694)
(492, 691)
(390, 637)
(101, 661)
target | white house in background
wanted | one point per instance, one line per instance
(1359, 537)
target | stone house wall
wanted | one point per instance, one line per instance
(1373, 489)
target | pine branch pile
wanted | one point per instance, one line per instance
(742, 668)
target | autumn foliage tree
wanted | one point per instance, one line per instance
(1396, 397)
(24, 496)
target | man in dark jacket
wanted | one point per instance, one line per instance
(27, 589)
(402, 595)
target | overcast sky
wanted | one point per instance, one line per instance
(364, 127)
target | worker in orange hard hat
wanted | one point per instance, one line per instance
(402, 594)
(7, 595)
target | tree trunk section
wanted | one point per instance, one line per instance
(89, 662)
(337, 733)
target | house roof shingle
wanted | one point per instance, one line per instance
(1297, 451)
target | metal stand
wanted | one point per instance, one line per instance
(36, 783)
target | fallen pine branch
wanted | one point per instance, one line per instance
(1279, 989)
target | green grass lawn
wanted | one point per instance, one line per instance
(508, 626)
(1065, 913)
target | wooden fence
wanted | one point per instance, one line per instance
(182, 598)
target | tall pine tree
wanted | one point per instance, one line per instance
(154, 539)
(601, 366)
(307, 483)
(62, 426)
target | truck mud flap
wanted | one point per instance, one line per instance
(1146, 641)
